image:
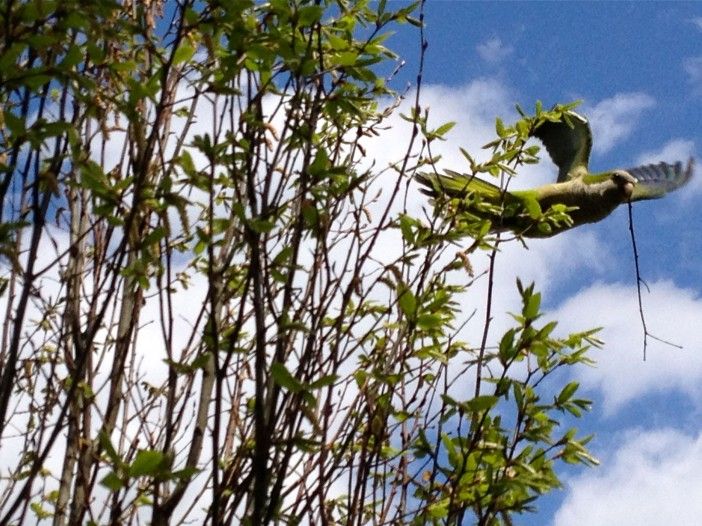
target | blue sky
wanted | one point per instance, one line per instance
(638, 69)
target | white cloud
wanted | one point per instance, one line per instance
(473, 107)
(672, 313)
(494, 50)
(693, 68)
(672, 151)
(613, 119)
(698, 22)
(653, 478)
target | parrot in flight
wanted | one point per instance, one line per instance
(588, 197)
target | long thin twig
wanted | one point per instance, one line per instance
(639, 281)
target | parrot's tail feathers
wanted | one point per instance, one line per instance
(474, 184)
(428, 183)
(455, 184)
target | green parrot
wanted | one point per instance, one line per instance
(588, 197)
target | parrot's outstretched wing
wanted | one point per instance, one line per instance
(568, 142)
(455, 184)
(656, 180)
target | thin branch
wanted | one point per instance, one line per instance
(639, 282)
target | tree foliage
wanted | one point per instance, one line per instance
(203, 319)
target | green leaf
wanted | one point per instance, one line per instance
(54, 129)
(406, 223)
(72, 57)
(523, 129)
(337, 43)
(186, 162)
(112, 482)
(283, 256)
(360, 376)
(507, 346)
(15, 124)
(546, 330)
(429, 321)
(185, 473)
(544, 228)
(531, 308)
(310, 214)
(438, 510)
(200, 361)
(94, 179)
(407, 301)
(414, 21)
(320, 165)
(567, 392)
(294, 326)
(261, 226)
(36, 80)
(39, 511)
(109, 449)
(533, 208)
(156, 235)
(347, 58)
(284, 378)
(146, 463)
(500, 128)
(324, 381)
(310, 14)
(482, 403)
(183, 54)
(444, 129)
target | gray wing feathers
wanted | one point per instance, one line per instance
(656, 180)
(568, 142)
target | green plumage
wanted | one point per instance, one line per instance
(587, 197)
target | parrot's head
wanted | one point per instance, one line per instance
(624, 183)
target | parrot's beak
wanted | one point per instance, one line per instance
(626, 182)
(629, 188)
